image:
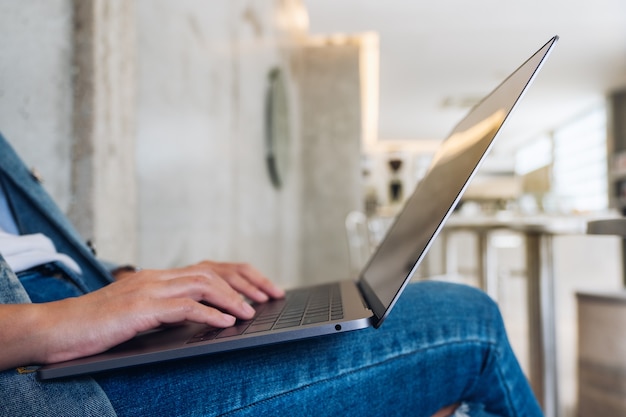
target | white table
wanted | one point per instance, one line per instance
(612, 227)
(538, 234)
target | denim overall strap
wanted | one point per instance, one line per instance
(36, 212)
(22, 394)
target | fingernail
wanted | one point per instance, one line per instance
(278, 292)
(229, 320)
(262, 297)
(248, 308)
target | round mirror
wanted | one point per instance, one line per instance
(277, 135)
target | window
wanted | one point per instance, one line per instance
(535, 155)
(580, 181)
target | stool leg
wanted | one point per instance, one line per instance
(541, 321)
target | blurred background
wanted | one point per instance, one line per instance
(287, 134)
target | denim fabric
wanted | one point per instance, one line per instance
(50, 282)
(22, 394)
(7, 223)
(442, 343)
(35, 212)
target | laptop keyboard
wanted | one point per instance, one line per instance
(299, 308)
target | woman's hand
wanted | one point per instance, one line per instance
(208, 292)
(246, 280)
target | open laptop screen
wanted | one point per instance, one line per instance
(436, 195)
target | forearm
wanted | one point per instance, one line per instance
(81, 326)
(41, 333)
(21, 334)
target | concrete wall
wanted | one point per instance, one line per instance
(203, 187)
(66, 87)
(104, 195)
(331, 148)
(204, 190)
(36, 87)
(147, 119)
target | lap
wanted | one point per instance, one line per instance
(426, 355)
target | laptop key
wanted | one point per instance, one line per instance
(287, 324)
(315, 319)
(298, 310)
(261, 327)
(208, 334)
(236, 330)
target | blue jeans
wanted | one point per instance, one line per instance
(442, 344)
(50, 282)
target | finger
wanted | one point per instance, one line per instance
(208, 288)
(249, 290)
(177, 310)
(230, 273)
(247, 280)
(261, 281)
(195, 282)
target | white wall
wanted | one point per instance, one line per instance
(203, 187)
(35, 87)
(201, 80)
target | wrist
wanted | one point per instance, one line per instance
(21, 348)
(124, 270)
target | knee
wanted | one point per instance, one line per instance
(452, 293)
(458, 302)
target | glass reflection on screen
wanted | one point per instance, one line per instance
(436, 194)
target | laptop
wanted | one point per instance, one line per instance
(346, 305)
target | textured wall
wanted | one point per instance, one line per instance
(104, 203)
(200, 77)
(204, 189)
(82, 144)
(36, 87)
(331, 164)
